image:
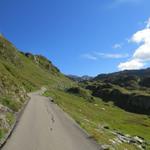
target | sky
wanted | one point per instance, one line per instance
(81, 37)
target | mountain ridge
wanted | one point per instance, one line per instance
(80, 78)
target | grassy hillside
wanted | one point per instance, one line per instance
(106, 123)
(19, 74)
(29, 71)
(125, 93)
(91, 104)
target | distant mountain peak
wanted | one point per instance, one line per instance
(80, 78)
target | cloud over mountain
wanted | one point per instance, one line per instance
(141, 55)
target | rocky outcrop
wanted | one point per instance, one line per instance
(134, 102)
(81, 92)
(42, 62)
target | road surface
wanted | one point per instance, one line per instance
(44, 126)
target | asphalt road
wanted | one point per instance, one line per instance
(44, 126)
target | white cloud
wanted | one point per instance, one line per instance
(142, 36)
(99, 55)
(132, 64)
(117, 45)
(111, 55)
(89, 56)
(142, 54)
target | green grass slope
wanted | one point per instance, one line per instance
(26, 72)
(20, 74)
(104, 121)
(108, 124)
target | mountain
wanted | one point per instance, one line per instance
(96, 104)
(21, 73)
(129, 89)
(127, 78)
(80, 78)
(140, 73)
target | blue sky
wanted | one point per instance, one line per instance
(79, 36)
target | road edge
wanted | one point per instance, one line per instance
(18, 116)
(86, 134)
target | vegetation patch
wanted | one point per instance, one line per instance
(103, 120)
(81, 92)
(11, 104)
(137, 101)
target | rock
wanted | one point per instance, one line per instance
(103, 126)
(118, 141)
(4, 109)
(105, 147)
(106, 127)
(138, 139)
(140, 147)
(124, 139)
(127, 135)
(86, 120)
(119, 133)
(113, 141)
(51, 99)
(96, 104)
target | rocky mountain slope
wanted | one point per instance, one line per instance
(127, 89)
(127, 78)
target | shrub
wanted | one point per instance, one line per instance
(81, 92)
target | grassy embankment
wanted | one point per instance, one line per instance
(95, 116)
(19, 75)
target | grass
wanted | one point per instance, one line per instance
(92, 116)
(19, 75)
(10, 118)
(18, 71)
(2, 133)
(86, 94)
(23, 71)
(11, 104)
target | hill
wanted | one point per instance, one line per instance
(21, 73)
(93, 103)
(129, 89)
(80, 78)
(127, 78)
